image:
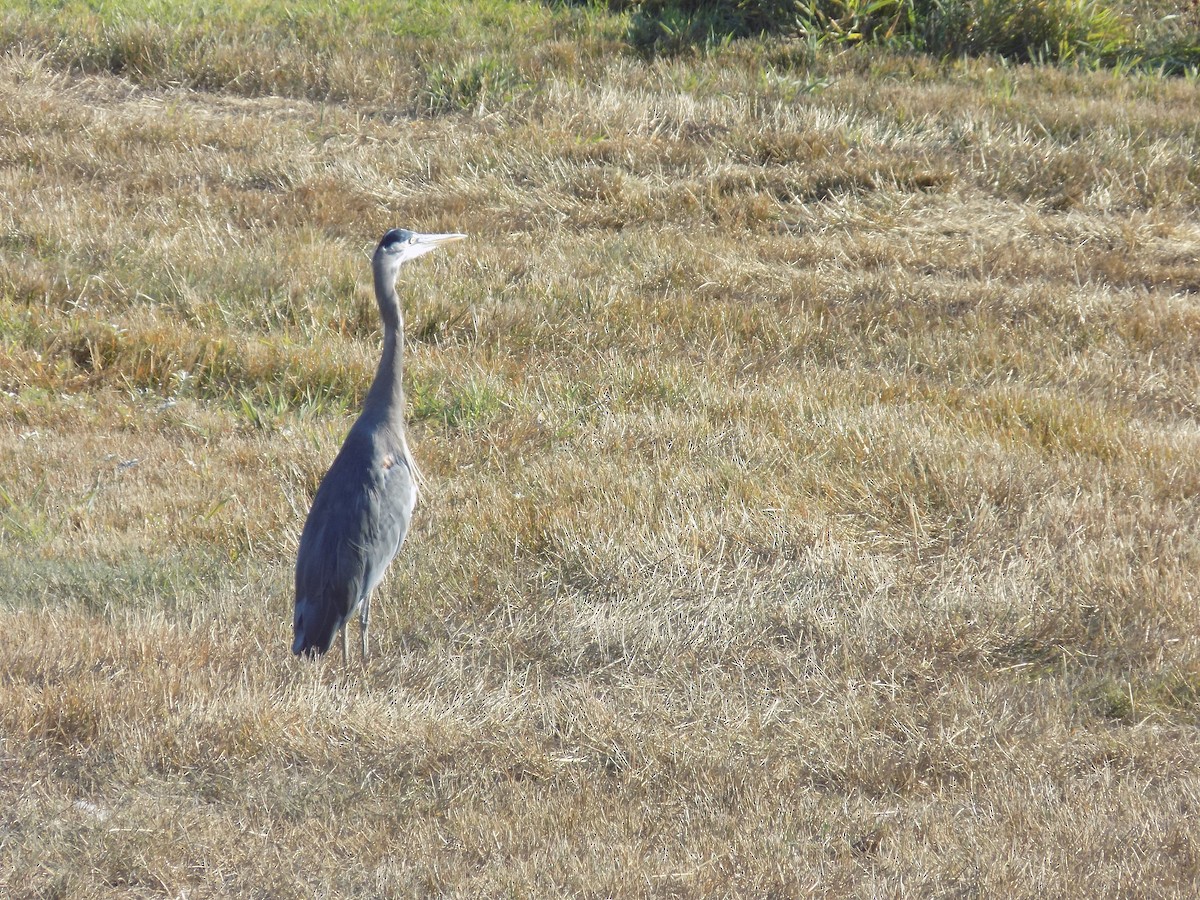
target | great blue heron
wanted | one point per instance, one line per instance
(362, 508)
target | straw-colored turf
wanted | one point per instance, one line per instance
(812, 448)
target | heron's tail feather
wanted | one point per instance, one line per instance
(314, 631)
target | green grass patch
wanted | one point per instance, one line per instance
(470, 86)
(467, 404)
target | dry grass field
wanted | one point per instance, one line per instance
(812, 440)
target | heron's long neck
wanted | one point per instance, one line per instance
(385, 399)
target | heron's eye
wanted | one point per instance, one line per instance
(412, 240)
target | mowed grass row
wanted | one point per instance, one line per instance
(811, 459)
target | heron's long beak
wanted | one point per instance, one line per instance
(423, 243)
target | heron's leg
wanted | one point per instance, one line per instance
(345, 648)
(365, 621)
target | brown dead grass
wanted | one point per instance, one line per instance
(812, 503)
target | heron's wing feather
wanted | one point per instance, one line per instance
(329, 570)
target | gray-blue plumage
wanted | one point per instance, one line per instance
(362, 509)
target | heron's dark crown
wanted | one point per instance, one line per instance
(394, 238)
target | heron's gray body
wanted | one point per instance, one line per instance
(357, 523)
(363, 506)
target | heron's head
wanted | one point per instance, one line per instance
(400, 245)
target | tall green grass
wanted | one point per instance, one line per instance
(1021, 30)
